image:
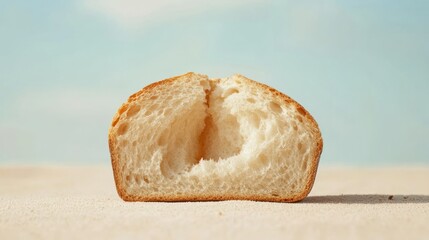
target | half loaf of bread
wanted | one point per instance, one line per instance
(191, 138)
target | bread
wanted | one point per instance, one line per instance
(190, 138)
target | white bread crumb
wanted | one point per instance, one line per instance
(192, 138)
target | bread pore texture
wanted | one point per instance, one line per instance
(191, 138)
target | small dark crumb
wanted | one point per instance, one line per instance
(220, 213)
(405, 197)
(390, 197)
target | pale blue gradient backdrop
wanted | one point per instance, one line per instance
(360, 67)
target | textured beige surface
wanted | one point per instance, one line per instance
(81, 202)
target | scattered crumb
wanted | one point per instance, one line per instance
(220, 213)
(405, 197)
(390, 197)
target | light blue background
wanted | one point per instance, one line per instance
(360, 67)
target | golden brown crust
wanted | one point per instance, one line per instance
(220, 197)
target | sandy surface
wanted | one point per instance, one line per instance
(81, 202)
